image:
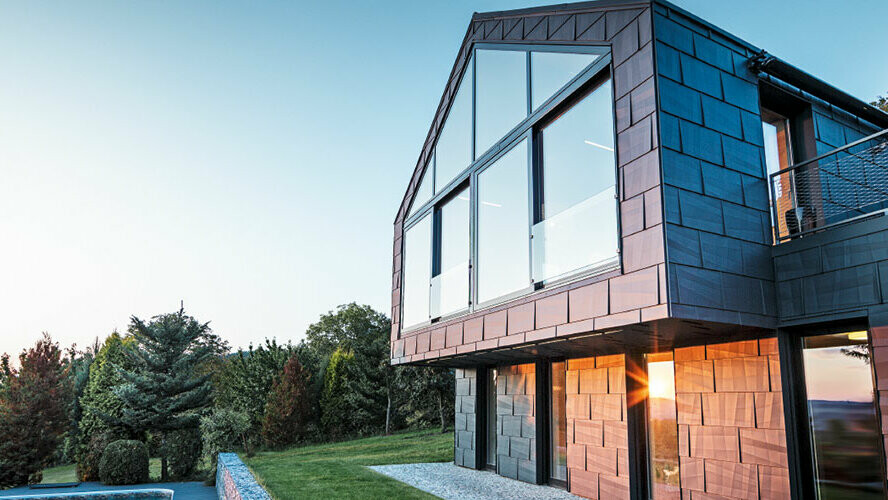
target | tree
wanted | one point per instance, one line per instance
(162, 392)
(427, 395)
(335, 417)
(343, 328)
(288, 409)
(102, 408)
(245, 379)
(881, 102)
(33, 412)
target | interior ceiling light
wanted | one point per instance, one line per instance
(599, 146)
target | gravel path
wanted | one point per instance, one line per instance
(450, 482)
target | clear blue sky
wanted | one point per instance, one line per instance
(249, 157)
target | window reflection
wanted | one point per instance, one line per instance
(450, 285)
(424, 191)
(417, 271)
(662, 428)
(845, 434)
(503, 214)
(579, 216)
(549, 71)
(501, 95)
(491, 417)
(558, 422)
(453, 152)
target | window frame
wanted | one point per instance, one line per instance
(797, 416)
(581, 85)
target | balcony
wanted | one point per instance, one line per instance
(844, 184)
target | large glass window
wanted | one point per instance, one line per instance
(453, 153)
(662, 428)
(424, 192)
(500, 96)
(845, 433)
(558, 422)
(578, 224)
(450, 283)
(503, 219)
(545, 208)
(549, 71)
(417, 272)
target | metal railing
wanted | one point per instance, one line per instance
(832, 188)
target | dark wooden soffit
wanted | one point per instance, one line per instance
(583, 23)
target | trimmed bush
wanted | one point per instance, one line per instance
(124, 462)
(183, 448)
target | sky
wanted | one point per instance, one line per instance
(248, 158)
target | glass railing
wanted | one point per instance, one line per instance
(576, 239)
(450, 291)
(832, 188)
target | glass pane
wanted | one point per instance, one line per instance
(453, 152)
(582, 237)
(491, 416)
(662, 428)
(558, 420)
(417, 271)
(450, 287)
(503, 216)
(424, 192)
(579, 226)
(775, 130)
(550, 71)
(501, 95)
(845, 433)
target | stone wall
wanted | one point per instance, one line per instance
(466, 407)
(234, 481)
(515, 422)
(597, 443)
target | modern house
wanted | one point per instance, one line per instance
(657, 257)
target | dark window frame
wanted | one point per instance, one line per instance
(575, 90)
(797, 417)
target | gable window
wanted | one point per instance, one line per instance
(450, 280)
(576, 226)
(503, 214)
(520, 188)
(417, 272)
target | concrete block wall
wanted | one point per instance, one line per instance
(515, 422)
(466, 408)
(715, 192)
(731, 435)
(597, 441)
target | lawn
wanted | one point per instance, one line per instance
(338, 470)
(67, 474)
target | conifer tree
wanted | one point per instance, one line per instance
(164, 391)
(289, 406)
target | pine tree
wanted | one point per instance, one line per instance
(163, 391)
(288, 409)
(33, 412)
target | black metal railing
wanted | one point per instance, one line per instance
(834, 187)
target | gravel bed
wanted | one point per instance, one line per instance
(450, 482)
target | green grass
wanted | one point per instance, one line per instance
(338, 470)
(67, 474)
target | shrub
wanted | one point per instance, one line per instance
(289, 406)
(124, 462)
(91, 455)
(183, 449)
(223, 430)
